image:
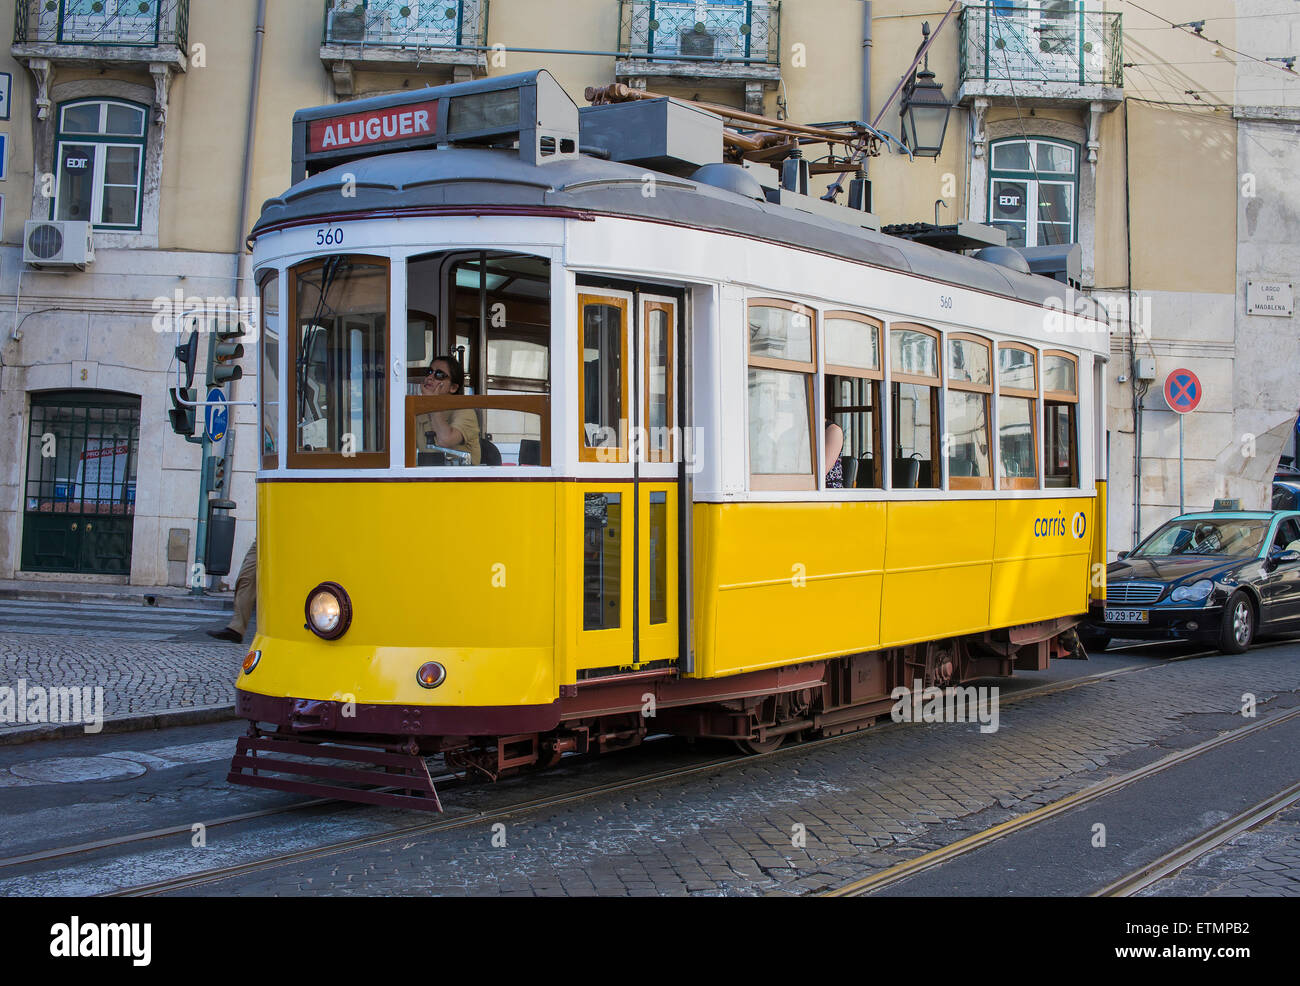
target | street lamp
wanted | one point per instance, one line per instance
(924, 110)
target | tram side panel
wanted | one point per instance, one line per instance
(460, 573)
(779, 584)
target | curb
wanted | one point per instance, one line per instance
(129, 723)
(160, 601)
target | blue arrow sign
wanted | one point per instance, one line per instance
(216, 416)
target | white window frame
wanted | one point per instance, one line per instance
(100, 142)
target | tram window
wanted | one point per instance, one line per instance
(659, 535)
(1018, 417)
(604, 384)
(602, 560)
(970, 388)
(269, 341)
(495, 312)
(658, 381)
(853, 375)
(914, 403)
(340, 346)
(1060, 421)
(781, 371)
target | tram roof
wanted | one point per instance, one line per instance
(410, 182)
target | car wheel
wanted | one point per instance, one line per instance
(1238, 628)
(1094, 644)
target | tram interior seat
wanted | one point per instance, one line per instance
(489, 454)
(849, 467)
(530, 452)
(907, 473)
(867, 478)
(961, 467)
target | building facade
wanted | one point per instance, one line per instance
(1164, 151)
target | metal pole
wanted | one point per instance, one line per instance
(1180, 464)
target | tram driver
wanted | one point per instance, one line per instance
(452, 428)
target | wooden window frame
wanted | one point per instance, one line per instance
(786, 482)
(975, 482)
(1062, 396)
(294, 458)
(668, 454)
(1023, 482)
(936, 399)
(539, 404)
(924, 381)
(875, 376)
(270, 460)
(601, 453)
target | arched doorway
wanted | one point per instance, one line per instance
(79, 494)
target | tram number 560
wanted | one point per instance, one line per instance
(945, 301)
(327, 236)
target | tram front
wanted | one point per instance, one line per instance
(406, 508)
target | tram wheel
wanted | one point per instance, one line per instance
(755, 747)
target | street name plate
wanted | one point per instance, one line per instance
(1270, 298)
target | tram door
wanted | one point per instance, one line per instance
(629, 448)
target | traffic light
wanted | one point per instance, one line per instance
(183, 418)
(225, 353)
(188, 355)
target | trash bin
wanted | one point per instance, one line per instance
(221, 537)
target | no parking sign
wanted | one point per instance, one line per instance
(1183, 391)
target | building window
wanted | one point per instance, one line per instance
(915, 387)
(970, 388)
(853, 378)
(1060, 421)
(100, 162)
(1018, 416)
(1034, 191)
(782, 365)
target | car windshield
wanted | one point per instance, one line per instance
(1237, 537)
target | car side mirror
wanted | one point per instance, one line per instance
(1121, 556)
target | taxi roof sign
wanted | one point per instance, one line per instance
(530, 107)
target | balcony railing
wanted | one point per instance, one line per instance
(103, 23)
(407, 23)
(744, 31)
(1006, 42)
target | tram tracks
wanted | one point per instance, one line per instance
(899, 872)
(68, 853)
(1209, 840)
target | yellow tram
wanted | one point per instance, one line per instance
(624, 518)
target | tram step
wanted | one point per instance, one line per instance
(402, 780)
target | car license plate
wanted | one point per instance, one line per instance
(1126, 616)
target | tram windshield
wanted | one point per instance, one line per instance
(478, 354)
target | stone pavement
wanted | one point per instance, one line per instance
(811, 818)
(1264, 862)
(146, 659)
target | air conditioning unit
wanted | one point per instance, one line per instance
(58, 243)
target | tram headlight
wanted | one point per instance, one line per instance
(329, 611)
(1195, 592)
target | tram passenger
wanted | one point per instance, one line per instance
(833, 441)
(454, 428)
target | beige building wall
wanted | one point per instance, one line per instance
(1163, 217)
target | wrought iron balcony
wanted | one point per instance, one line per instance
(402, 35)
(102, 30)
(1041, 51)
(718, 38)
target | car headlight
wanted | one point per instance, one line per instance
(1195, 592)
(329, 611)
